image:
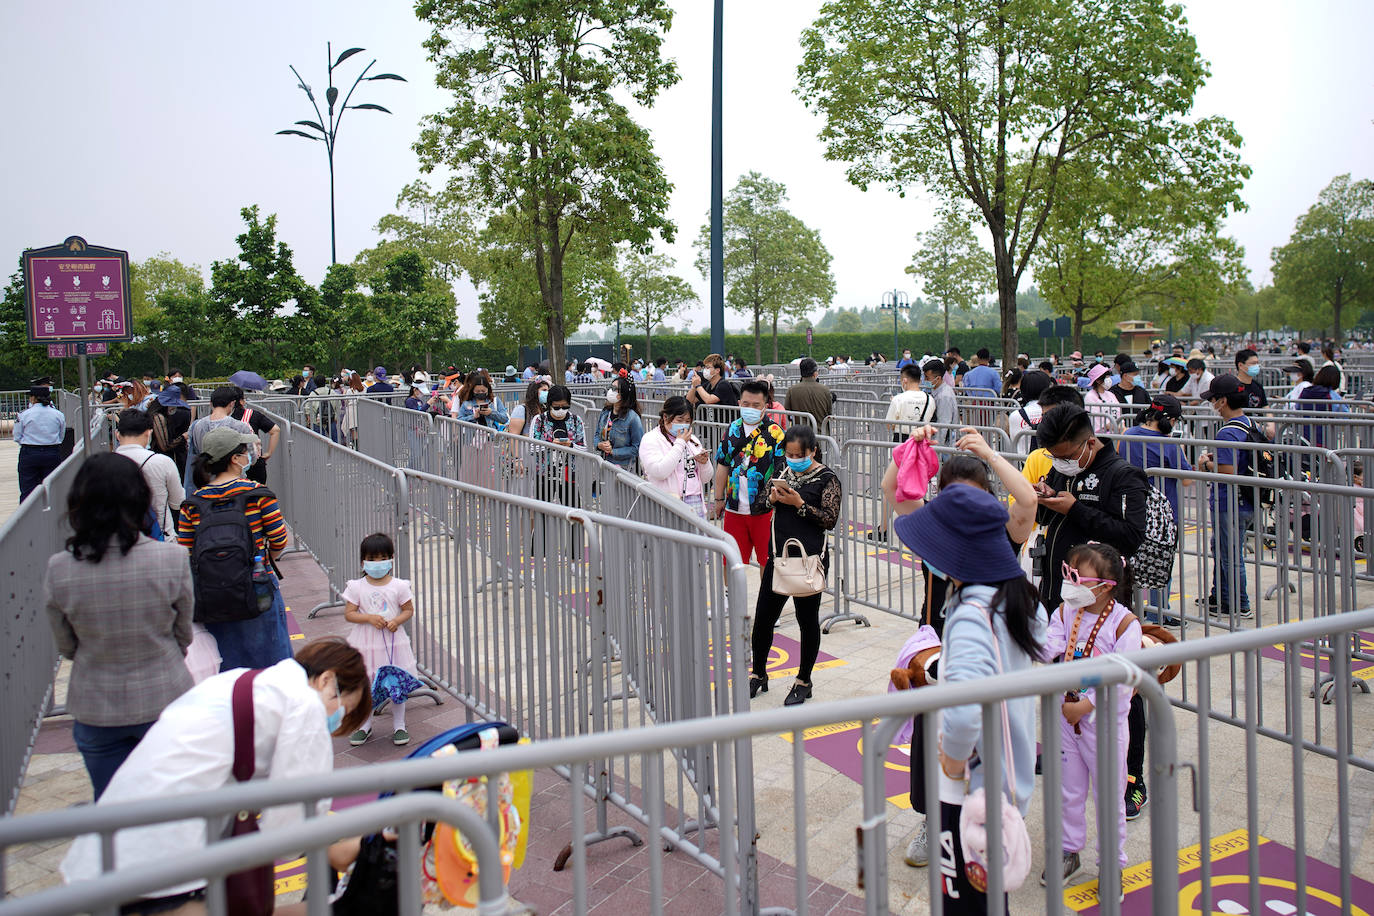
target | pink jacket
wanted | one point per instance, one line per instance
(665, 463)
(916, 464)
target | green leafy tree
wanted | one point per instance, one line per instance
(169, 304)
(775, 265)
(987, 100)
(416, 308)
(536, 126)
(441, 226)
(1115, 239)
(952, 268)
(655, 294)
(1190, 289)
(253, 292)
(847, 321)
(1328, 264)
(329, 324)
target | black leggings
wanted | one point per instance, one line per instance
(766, 614)
(1135, 747)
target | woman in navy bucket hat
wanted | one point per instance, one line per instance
(961, 535)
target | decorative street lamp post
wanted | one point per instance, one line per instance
(895, 300)
(328, 128)
(717, 183)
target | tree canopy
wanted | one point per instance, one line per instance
(249, 294)
(537, 126)
(654, 293)
(775, 265)
(954, 271)
(988, 100)
(1328, 264)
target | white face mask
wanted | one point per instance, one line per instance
(1069, 467)
(1076, 595)
(558, 413)
(612, 396)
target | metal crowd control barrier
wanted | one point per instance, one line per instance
(12, 403)
(800, 834)
(33, 533)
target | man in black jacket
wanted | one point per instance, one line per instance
(1092, 494)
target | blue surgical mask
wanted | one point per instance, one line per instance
(932, 570)
(678, 429)
(305, 373)
(1252, 371)
(377, 569)
(798, 465)
(750, 415)
(333, 720)
(543, 395)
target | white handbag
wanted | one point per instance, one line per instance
(801, 574)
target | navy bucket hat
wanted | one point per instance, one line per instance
(962, 532)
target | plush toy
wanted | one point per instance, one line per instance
(919, 658)
(1152, 634)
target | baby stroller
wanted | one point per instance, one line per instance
(448, 866)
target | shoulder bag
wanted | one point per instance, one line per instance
(250, 892)
(798, 575)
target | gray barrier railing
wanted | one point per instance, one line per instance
(799, 835)
(12, 403)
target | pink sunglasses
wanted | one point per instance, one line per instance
(1071, 575)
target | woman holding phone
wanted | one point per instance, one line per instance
(674, 460)
(806, 506)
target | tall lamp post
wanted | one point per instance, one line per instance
(895, 300)
(328, 128)
(717, 186)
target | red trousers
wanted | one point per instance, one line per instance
(751, 533)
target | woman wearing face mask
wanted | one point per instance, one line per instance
(619, 430)
(1101, 403)
(1178, 375)
(522, 414)
(806, 506)
(556, 481)
(476, 404)
(256, 636)
(296, 704)
(673, 459)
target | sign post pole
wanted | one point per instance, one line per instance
(85, 399)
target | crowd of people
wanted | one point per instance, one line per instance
(183, 508)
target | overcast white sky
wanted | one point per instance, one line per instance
(147, 124)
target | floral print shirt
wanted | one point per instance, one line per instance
(754, 459)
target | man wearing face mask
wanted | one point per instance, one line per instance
(1247, 371)
(135, 434)
(712, 387)
(1090, 494)
(749, 458)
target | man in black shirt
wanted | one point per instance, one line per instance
(260, 423)
(1129, 391)
(714, 388)
(1247, 370)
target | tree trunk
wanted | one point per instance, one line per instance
(1078, 326)
(1006, 295)
(775, 337)
(946, 326)
(1336, 305)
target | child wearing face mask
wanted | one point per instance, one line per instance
(1092, 621)
(378, 605)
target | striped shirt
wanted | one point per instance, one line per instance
(264, 515)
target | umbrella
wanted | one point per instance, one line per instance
(248, 380)
(599, 363)
(797, 361)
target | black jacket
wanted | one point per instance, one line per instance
(1109, 507)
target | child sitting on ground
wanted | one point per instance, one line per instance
(377, 605)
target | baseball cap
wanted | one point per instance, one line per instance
(222, 441)
(1222, 386)
(1167, 404)
(380, 372)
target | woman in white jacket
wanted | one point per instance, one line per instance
(673, 459)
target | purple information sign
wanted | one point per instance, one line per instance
(57, 351)
(76, 291)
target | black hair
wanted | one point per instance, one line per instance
(1055, 395)
(133, 422)
(187, 392)
(560, 393)
(807, 367)
(1019, 604)
(739, 361)
(629, 396)
(954, 350)
(1152, 414)
(755, 386)
(1046, 366)
(934, 366)
(675, 406)
(1242, 356)
(961, 468)
(1329, 352)
(1013, 377)
(108, 500)
(204, 469)
(1328, 376)
(1109, 563)
(225, 396)
(802, 434)
(377, 545)
(1033, 384)
(1196, 363)
(1304, 347)
(983, 354)
(661, 362)
(912, 371)
(1305, 370)
(532, 405)
(1066, 423)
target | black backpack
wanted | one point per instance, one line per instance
(1261, 460)
(222, 557)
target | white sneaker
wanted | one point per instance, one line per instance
(918, 850)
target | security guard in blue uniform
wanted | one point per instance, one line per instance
(38, 431)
